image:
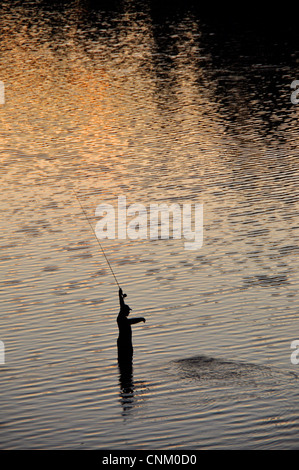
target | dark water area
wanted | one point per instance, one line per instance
(158, 102)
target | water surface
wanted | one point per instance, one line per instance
(158, 107)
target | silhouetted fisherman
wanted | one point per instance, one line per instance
(124, 341)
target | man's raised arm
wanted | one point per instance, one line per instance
(121, 299)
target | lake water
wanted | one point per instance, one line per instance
(164, 107)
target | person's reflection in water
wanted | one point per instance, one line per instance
(126, 384)
(125, 353)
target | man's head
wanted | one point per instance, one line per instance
(126, 310)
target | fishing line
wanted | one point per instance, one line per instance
(84, 212)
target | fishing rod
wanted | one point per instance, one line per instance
(84, 212)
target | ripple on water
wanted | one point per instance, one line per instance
(264, 281)
(204, 368)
